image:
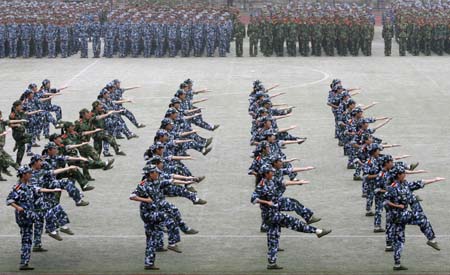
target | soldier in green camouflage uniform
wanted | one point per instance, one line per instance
(267, 38)
(427, 35)
(355, 36)
(20, 134)
(278, 37)
(253, 32)
(330, 37)
(303, 37)
(5, 159)
(291, 38)
(239, 35)
(387, 34)
(316, 38)
(342, 37)
(402, 36)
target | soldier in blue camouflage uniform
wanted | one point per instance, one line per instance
(64, 36)
(25, 199)
(154, 216)
(185, 35)
(47, 92)
(50, 212)
(25, 37)
(39, 37)
(211, 36)
(13, 38)
(160, 34)
(148, 33)
(172, 35)
(3, 38)
(135, 37)
(198, 36)
(223, 37)
(84, 36)
(96, 30)
(404, 208)
(110, 35)
(123, 38)
(51, 33)
(265, 195)
(117, 95)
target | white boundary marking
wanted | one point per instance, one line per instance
(81, 72)
(262, 236)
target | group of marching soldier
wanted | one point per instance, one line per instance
(65, 160)
(165, 173)
(383, 176)
(417, 27)
(270, 166)
(341, 29)
(64, 29)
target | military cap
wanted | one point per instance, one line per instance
(386, 158)
(161, 133)
(188, 81)
(374, 147)
(165, 122)
(67, 124)
(266, 169)
(50, 145)
(175, 100)
(356, 111)
(53, 137)
(150, 169)
(23, 170)
(397, 170)
(96, 103)
(35, 158)
(171, 111)
(17, 103)
(45, 82)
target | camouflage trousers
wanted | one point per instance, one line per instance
(38, 48)
(6, 160)
(2, 48)
(179, 191)
(253, 47)
(21, 140)
(64, 44)
(51, 44)
(275, 223)
(96, 46)
(70, 187)
(413, 218)
(13, 48)
(26, 48)
(53, 217)
(26, 234)
(84, 47)
(153, 222)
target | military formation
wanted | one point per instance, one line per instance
(311, 29)
(384, 184)
(65, 161)
(271, 168)
(166, 174)
(60, 29)
(418, 28)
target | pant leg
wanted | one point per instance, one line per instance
(273, 236)
(290, 204)
(26, 233)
